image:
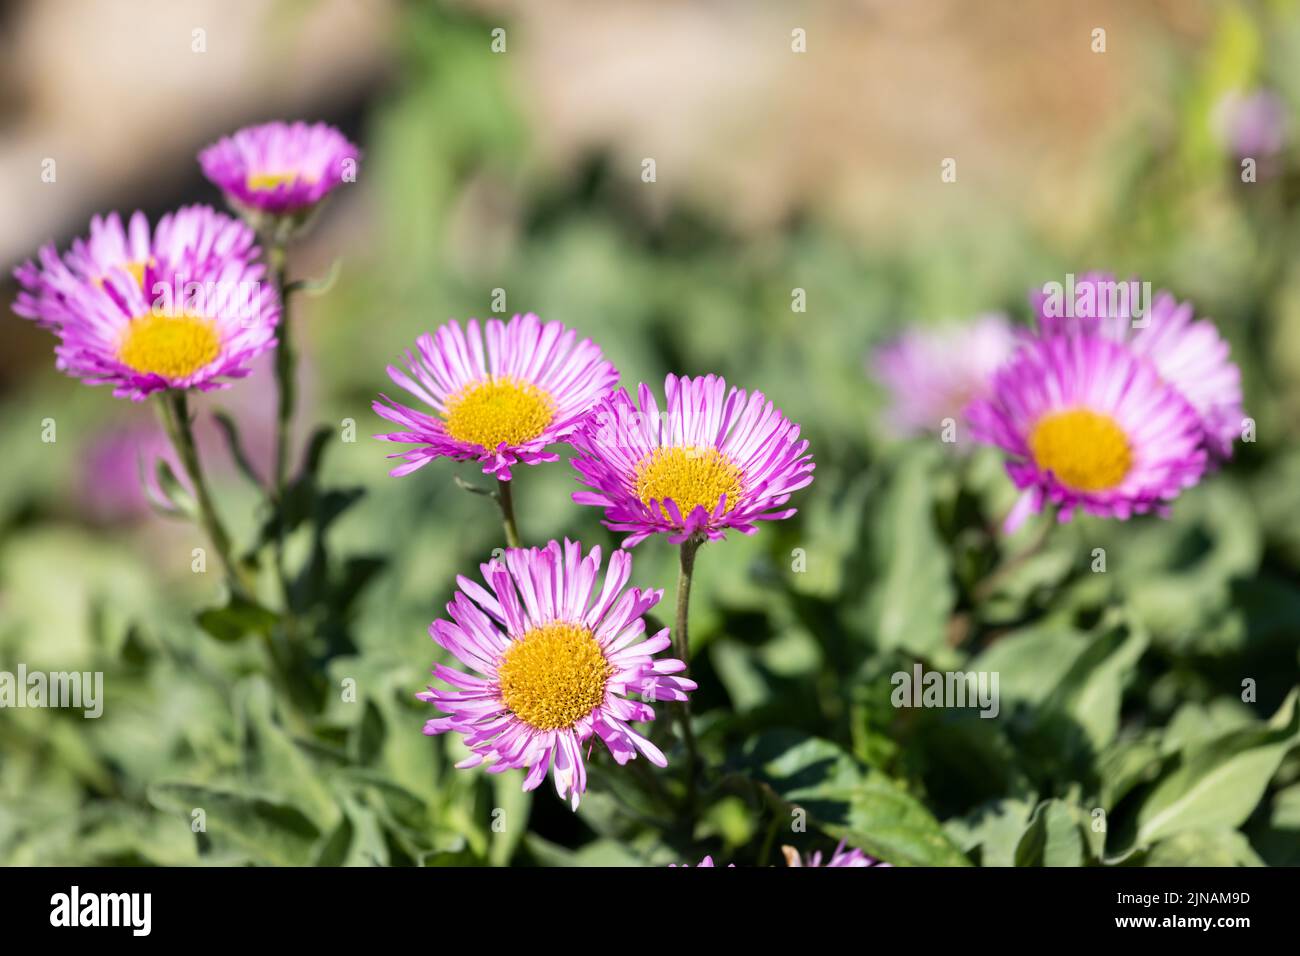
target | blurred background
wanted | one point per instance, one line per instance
(775, 171)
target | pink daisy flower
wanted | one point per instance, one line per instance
(280, 168)
(552, 667)
(529, 388)
(715, 459)
(1089, 424)
(706, 862)
(933, 373)
(46, 285)
(841, 857)
(182, 308)
(1189, 354)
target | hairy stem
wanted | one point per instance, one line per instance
(505, 501)
(176, 420)
(286, 388)
(682, 648)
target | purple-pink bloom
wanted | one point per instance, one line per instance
(714, 460)
(1188, 353)
(118, 471)
(182, 308)
(841, 857)
(1089, 424)
(551, 666)
(46, 285)
(532, 386)
(933, 373)
(280, 168)
(1252, 125)
(706, 862)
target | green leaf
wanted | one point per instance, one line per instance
(1177, 576)
(230, 431)
(913, 596)
(316, 287)
(167, 495)
(993, 829)
(273, 763)
(1052, 837)
(237, 619)
(366, 846)
(1217, 785)
(1196, 724)
(266, 830)
(847, 800)
(1127, 763)
(596, 853)
(1278, 836)
(334, 846)
(833, 532)
(511, 822)
(1031, 663)
(1090, 691)
(741, 675)
(1202, 848)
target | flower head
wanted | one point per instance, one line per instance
(182, 308)
(1252, 125)
(933, 373)
(715, 459)
(280, 168)
(841, 857)
(706, 862)
(1188, 353)
(1089, 424)
(552, 666)
(531, 387)
(46, 285)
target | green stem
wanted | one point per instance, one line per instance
(506, 502)
(285, 367)
(176, 420)
(682, 648)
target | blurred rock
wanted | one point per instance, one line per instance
(857, 126)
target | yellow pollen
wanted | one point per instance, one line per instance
(498, 410)
(171, 346)
(690, 477)
(1085, 450)
(554, 675)
(270, 181)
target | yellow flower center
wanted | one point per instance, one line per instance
(554, 675)
(270, 181)
(498, 410)
(171, 346)
(1085, 450)
(135, 269)
(689, 476)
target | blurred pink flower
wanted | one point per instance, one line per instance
(933, 373)
(114, 465)
(1252, 125)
